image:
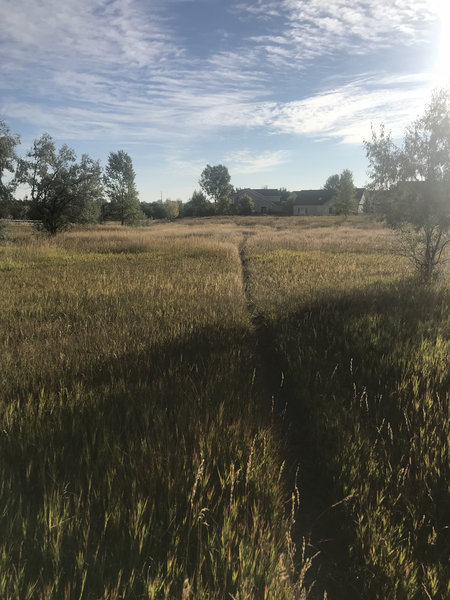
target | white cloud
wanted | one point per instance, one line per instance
(116, 69)
(314, 28)
(244, 162)
(89, 33)
(345, 114)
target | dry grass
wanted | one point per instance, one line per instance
(141, 458)
(364, 351)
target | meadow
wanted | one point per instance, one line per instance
(222, 408)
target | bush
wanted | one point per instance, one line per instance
(3, 231)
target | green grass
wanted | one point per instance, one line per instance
(148, 451)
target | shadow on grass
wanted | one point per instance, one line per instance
(163, 409)
(143, 432)
(356, 363)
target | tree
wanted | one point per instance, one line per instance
(287, 200)
(332, 183)
(223, 206)
(8, 159)
(62, 190)
(344, 193)
(215, 182)
(345, 197)
(245, 205)
(412, 183)
(153, 210)
(121, 189)
(172, 209)
(198, 206)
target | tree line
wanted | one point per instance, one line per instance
(409, 187)
(62, 189)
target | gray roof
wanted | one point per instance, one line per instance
(320, 197)
(313, 197)
(259, 192)
(267, 192)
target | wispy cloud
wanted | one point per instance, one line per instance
(123, 71)
(244, 162)
(94, 34)
(313, 28)
(345, 114)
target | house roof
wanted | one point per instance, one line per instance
(267, 192)
(313, 197)
(264, 193)
(320, 197)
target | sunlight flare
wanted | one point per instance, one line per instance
(441, 69)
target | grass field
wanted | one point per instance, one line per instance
(161, 385)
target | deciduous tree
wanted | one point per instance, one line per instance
(153, 210)
(198, 206)
(413, 184)
(344, 192)
(332, 183)
(62, 190)
(8, 143)
(223, 206)
(245, 205)
(120, 188)
(215, 182)
(345, 195)
(172, 208)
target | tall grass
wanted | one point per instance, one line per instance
(365, 352)
(139, 458)
(148, 450)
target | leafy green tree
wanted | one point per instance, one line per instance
(245, 205)
(412, 183)
(287, 200)
(62, 190)
(8, 159)
(332, 183)
(215, 182)
(172, 209)
(345, 196)
(198, 206)
(153, 210)
(223, 205)
(120, 187)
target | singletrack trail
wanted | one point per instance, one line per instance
(316, 517)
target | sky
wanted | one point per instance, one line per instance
(282, 92)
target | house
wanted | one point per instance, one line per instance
(321, 202)
(266, 201)
(313, 202)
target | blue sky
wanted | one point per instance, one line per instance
(281, 92)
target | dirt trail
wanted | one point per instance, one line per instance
(268, 375)
(312, 522)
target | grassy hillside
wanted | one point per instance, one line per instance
(159, 387)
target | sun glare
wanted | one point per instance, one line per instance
(442, 70)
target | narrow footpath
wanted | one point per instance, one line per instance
(313, 522)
